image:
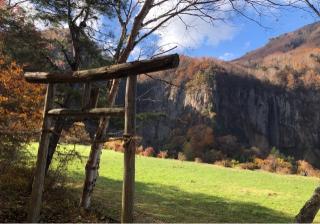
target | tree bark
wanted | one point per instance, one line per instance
(54, 139)
(92, 166)
(74, 63)
(93, 163)
(310, 208)
(59, 124)
(94, 158)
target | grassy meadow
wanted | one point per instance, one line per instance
(175, 191)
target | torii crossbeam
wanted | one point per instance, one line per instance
(129, 70)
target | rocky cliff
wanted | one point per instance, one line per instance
(278, 109)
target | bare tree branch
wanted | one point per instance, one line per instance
(162, 80)
(316, 11)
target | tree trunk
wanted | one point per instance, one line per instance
(53, 141)
(93, 162)
(59, 125)
(310, 208)
(94, 158)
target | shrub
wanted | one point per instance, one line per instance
(116, 145)
(188, 151)
(277, 165)
(181, 156)
(149, 152)
(139, 150)
(60, 200)
(76, 134)
(212, 155)
(224, 163)
(234, 163)
(259, 162)
(176, 142)
(250, 166)
(227, 163)
(163, 154)
(306, 169)
(280, 163)
(248, 155)
(59, 171)
(200, 138)
(228, 144)
(275, 162)
(198, 160)
(283, 167)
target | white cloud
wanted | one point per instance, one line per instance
(247, 44)
(200, 32)
(136, 54)
(30, 10)
(197, 31)
(227, 56)
(42, 25)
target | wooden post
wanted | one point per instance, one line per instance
(129, 153)
(90, 101)
(38, 181)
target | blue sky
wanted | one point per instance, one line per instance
(226, 41)
(248, 35)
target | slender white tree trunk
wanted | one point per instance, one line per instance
(93, 162)
(94, 158)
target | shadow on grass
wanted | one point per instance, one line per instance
(160, 203)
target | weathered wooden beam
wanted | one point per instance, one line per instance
(38, 181)
(106, 73)
(129, 152)
(95, 112)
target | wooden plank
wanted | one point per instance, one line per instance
(129, 153)
(106, 73)
(38, 181)
(95, 112)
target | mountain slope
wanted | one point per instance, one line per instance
(305, 37)
(235, 107)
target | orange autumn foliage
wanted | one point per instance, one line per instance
(20, 103)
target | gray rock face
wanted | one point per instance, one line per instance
(257, 113)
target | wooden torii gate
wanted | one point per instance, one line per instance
(129, 70)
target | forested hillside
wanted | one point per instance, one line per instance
(213, 107)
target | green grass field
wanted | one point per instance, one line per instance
(175, 191)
